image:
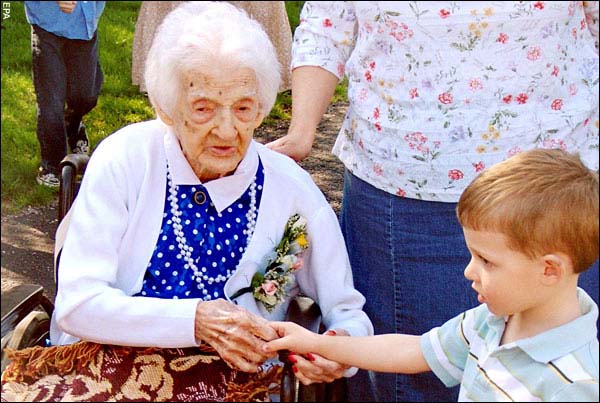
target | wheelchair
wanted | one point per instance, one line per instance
(26, 311)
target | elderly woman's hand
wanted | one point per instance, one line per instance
(313, 368)
(236, 334)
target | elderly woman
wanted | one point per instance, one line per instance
(175, 217)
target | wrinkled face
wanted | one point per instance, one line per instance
(506, 280)
(216, 117)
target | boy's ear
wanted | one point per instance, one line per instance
(556, 267)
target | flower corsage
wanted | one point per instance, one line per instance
(270, 286)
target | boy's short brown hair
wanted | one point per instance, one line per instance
(544, 201)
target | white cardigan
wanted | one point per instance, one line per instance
(114, 226)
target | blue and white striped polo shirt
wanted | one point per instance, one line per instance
(560, 364)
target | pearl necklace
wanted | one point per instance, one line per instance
(185, 251)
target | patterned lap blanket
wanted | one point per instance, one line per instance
(87, 371)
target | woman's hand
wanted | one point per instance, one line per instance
(296, 146)
(313, 368)
(66, 6)
(236, 334)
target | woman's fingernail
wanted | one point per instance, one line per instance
(331, 332)
(292, 359)
(310, 357)
(294, 368)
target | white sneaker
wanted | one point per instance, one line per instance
(82, 147)
(47, 178)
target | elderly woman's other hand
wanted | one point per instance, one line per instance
(313, 368)
(236, 334)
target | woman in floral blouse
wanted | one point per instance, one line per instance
(438, 91)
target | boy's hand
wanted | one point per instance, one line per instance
(292, 337)
(308, 366)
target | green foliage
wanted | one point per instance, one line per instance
(293, 9)
(341, 91)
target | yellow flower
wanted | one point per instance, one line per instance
(472, 26)
(483, 24)
(485, 136)
(496, 135)
(488, 11)
(474, 12)
(481, 149)
(302, 241)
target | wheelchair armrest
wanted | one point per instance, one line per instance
(306, 313)
(19, 301)
(77, 161)
(72, 166)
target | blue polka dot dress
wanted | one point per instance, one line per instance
(218, 241)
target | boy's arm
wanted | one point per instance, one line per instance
(399, 353)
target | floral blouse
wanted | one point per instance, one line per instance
(440, 90)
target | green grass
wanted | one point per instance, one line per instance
(293, 9)
(120, 102)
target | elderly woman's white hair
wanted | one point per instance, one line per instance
(215, 32)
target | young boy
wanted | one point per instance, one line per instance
(531, 225)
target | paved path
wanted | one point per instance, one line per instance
(27, 248)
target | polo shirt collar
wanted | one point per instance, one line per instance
(567, 338)
(223, 191)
